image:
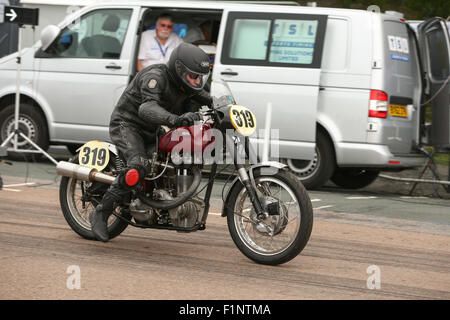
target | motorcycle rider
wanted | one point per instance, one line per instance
(158, 95)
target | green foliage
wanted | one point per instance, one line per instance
(413, 9)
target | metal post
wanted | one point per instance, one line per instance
(17, 105)
(448, 178)
(266, 146)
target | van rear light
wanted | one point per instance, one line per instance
(378, 104)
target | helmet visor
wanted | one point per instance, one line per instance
(192, 79)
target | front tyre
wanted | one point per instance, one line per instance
(78, 200)
(280, 237)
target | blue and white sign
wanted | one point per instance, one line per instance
(400, 57)
(400, 46)
(293, 41)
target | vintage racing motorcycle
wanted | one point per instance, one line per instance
(269, 213)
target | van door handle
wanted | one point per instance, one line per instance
(229, 73)
(113, 66)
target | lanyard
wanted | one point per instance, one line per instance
(163, 52)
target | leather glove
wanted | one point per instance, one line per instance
(187, 119)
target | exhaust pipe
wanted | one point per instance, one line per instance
(76, 171)
(73, 170)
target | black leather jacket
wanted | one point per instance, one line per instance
(154, 98)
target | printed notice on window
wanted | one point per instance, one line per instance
(293, 41)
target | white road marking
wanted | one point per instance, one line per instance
(360, 198)
(20, 184)
(8, 189)
(323, 207)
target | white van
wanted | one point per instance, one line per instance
(345, 85)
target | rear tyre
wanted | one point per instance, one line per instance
(354, 178)
(316, 172)
(280, 237)
(31, 123)
(78, 200)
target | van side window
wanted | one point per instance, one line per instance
(249, 40)
(274, 39)
(98, 34)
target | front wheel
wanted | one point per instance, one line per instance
(284, 233)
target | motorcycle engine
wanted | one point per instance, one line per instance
(186, 215)
(142, 213)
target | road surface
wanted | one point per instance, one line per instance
(350, 256)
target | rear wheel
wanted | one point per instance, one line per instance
(78, 200)
(282, 235)
(316, 172)
(354, 178)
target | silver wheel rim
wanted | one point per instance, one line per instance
(27, 127)
(255, 236)
(307, 170)
(74, 200)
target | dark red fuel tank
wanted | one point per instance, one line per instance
(197, 136)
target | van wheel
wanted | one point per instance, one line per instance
(31, 123)
(354, 178)
(316, 172)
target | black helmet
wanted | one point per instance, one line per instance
(190, 66)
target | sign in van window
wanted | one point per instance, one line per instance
(293, 41)
(274, 39)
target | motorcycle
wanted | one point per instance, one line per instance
(268, 211)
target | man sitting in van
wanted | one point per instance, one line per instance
(157, 45)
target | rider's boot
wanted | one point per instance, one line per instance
(100, 215)
(98, 221)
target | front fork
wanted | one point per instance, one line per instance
(249, 185)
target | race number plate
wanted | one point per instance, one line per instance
(243, 120)
(398, 110)
(94, 154)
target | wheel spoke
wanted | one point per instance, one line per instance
(276, 233)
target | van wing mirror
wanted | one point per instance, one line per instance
(48, 35)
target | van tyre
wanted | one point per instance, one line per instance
(315, 173)
(354, 178)
(31, 123)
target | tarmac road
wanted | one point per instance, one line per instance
(42, 258)
(370, 244)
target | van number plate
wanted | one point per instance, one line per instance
(398, 110)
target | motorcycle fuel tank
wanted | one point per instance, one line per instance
(195, 137)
